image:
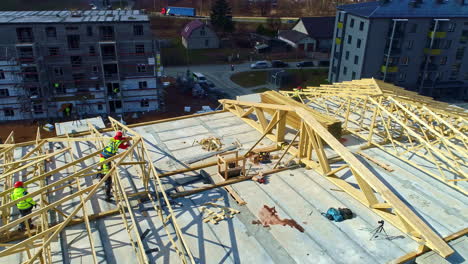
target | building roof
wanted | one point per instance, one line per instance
(292, 35)
(101, 16)
(190, 27)
(404, 9)
(319, 27)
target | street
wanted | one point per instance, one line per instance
(220, 75)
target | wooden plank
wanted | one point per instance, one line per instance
(380, 164)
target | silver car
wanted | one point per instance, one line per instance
(259, 65)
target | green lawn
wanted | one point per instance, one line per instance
(307, 77)
(43, 5)
(250, 78)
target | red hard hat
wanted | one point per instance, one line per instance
(118, 134)
(18, 184)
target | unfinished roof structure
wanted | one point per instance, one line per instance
(178, 200)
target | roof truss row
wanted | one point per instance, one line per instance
(31, 168)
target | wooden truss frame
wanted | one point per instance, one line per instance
(314, 148)
(402, 123)
(31, 168)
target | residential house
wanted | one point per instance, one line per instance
(310, 34)
(199, 35)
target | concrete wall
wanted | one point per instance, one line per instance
(202, 38)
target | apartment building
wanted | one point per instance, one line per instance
(416, 44)
(93, 62)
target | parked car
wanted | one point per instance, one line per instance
(259, 65)
(199, 77)
(305, 64)
(278, 64)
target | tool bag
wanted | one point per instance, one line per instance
(333, 214)
(346, 213)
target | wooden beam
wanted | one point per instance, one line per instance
(221, 184)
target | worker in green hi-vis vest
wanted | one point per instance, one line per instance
(24, 206)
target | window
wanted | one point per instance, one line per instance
(404, 60)
(144, 103)
(350, 39)
(2, 75)
(347, 55)
(207, 42)
(358, 43)
(89, 31)
(92, 50)
(356, 59)
(51, 32)
(466, 76)
(345, 70)
(71, 28)
(106, 32)
(4, 92)
(351, 24)
(353, 75)
(451, 27)
(95, 69)
(141, 68)
(97, 87)
(202, 32)
(439, 76)
(138, 30)
(410, 44)
(454, 75)
(140, 48)
(75, 60)
(464, 37)
(118, 104)
(448, 43)
(361, 26)
(53, 51)
(60, 88)
(100, 107)
(9, 112)
(401, 76)
(414, 28)
(460, 53)
(73, 41)
(143, 85)
(443, 60)
(37, 108)
(58, 71)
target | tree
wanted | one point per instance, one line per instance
(274, 24)
(221, 16)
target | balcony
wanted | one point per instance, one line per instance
(438, 34)
(390, 69)
(340, 25)
(109, 57)
(109, 37)
(338, 41)
(432, 51)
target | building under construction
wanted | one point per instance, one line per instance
(93, 62)
(250, 184)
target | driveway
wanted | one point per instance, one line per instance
(220, 75)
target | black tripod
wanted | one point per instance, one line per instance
(375, 233)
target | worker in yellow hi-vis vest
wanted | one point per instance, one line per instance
(25, 206)
(103, 170)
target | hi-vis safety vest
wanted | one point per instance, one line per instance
(112, 148)
(24, 204)
(105, 167)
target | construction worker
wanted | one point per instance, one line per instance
(103, 170)
(24, 206)
(116, 143)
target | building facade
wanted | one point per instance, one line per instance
(92, 62)
(198, 35)
(319, 30)
(419, 45)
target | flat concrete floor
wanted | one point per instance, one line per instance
(297, 194)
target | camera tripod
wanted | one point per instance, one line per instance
(375, 233)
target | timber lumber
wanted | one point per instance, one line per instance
(224, 183)
(332, 124)
(191, 168)
(379, 163)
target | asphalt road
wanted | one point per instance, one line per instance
(220, 75)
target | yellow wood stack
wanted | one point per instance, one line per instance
(333, 125)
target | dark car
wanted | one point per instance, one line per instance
(305, 64)
(278, 64)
